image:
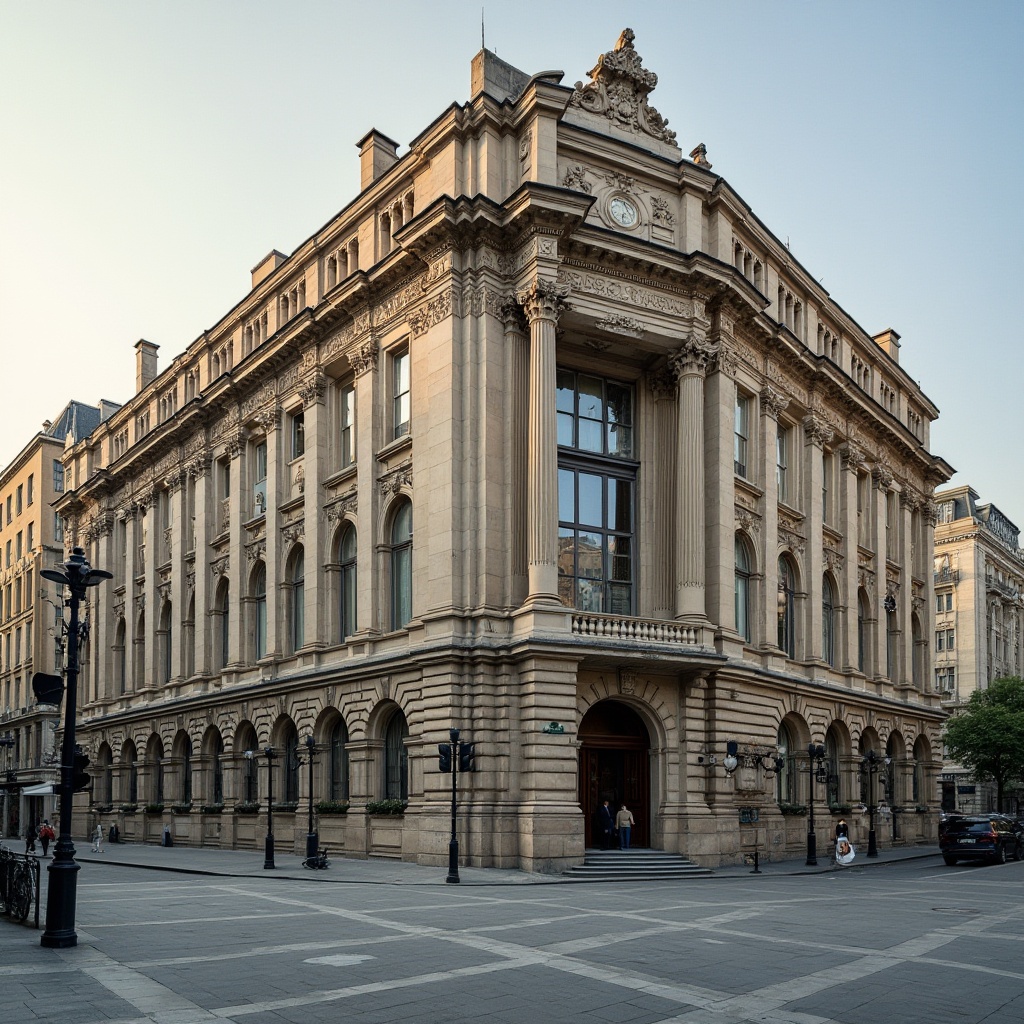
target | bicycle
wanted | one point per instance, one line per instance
(318, 860)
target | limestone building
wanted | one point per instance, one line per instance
(545, 436)
(31, 538)
(979, 616)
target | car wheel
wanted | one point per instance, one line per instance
(1001, 854)
(949, 860)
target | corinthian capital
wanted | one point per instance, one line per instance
(695, 355)
(817, 431)
(544, 300)
(773, 402)
(511, 314)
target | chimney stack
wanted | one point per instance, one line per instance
(377, 154)
(145, 363)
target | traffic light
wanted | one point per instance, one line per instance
(444, 757)
(467, 757)
(80, 779)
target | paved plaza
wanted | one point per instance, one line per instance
(904, 941)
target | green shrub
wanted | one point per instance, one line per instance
(386, 806)
(154, 808)
(332, 807)
(793, 809)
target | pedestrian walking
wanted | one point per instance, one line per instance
(842, 829)
(30, 838)
(624, 823)
(605, 824)
(97, 839)
(46, 834)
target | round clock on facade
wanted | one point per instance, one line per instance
(624, 212)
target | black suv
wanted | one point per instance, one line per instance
(993, 837)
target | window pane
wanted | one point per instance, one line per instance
(620, 505)
(565, 396)
(566, 496)
(589, 596)
(620, 440)
(591, 507)
(620, 400)
(589, 560)
(591, 438)
(566, 551)
(591, 391)
(565, 424)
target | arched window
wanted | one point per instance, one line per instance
(401, 566)
(297, 605)
(786, 780)
(139, 666)
(833, 746)
(104, 795)
(259, 596)
(164, 643)
(120, 657)
(787, 607)
(129, 774)
(828, 611)
(339, 761)
(245, 742)
(347, 594)
(222, 634)
(183, 755)
(742, 586)
(396, 758)
(891, 637)
(919, 652)
(155, 768)
(213, 746)
(188, 639)
(290, 743)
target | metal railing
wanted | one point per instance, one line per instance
(19, 885)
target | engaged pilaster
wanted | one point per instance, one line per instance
(518, 417)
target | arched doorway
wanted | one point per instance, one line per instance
(614, 766)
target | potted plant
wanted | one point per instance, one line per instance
(386, 806)
(332, 807)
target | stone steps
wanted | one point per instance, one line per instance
(634, 865)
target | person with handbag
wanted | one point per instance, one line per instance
(624, 824)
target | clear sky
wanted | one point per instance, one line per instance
(154, 152)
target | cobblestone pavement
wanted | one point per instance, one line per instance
(909, 941)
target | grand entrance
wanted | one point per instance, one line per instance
(614, 766)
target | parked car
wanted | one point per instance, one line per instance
(993, 837)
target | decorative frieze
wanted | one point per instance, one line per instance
(817, 431)
(619, 324)
(621, 291)
(393, 482)
(576, 178)
(220, 566)
(347, 504)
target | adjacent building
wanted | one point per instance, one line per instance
(979, 616)
(31, 538)
(544, 436)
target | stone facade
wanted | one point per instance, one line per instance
(544, 427)
(979, 616)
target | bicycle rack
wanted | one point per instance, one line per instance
(19, 885)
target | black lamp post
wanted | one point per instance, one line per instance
(6, 741)
(268, 847)
(77, 575)
(871, 764)
(312, 838)
(818, 771)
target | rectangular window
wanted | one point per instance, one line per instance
(58, 475)
(742, 435)
(298, 435)
(347, 425)
(58, 527)
(31, 536)
(9, 506)
(826, 487)
(18, 499)
(17, 545)
(224, 479)
(782, 463)
(31, 496)
(594, 415)
(7, 556)
(400, 394)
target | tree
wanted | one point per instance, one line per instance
(988, 736)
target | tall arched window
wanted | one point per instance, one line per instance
(129, 774)
(290, 743)
(188, 639)
(183, 756)
(785, 781)
(297, 603)
(833, 746)
(139, 666)
(155, 768)
(347, 595)
(396, 758)
(104, 795)
(919, 652)
(742, 588)
(862, 630)
(401, 566)
(213, 748)
(828, 611)
(787, 607)
(339, 761)
(222, 649)
(246, 741)
(259, 595)
(891, 634)
(164, 642)
(120, 657)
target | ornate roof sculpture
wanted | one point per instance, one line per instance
(619, 89)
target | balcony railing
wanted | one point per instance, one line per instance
(625, 627)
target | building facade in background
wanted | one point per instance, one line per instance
(31, 538)
(979, 617)
(547, 437)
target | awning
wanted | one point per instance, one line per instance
(41, 789)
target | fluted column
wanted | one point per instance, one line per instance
(371, 601)
(175, 486)
(663, 387)
(690, 364)
(882, 480)
(240, 503)
(542, 303)
(103, 672)
(205, 514)
(517, 358)
(271, 421)
(152, 541)
(773, 404)
(905, 599)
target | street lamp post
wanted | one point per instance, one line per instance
(268, 847)
(871, 764)
(7, 742)
(817, 772)
(312, 838)
(77, 575)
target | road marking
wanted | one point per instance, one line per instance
(339, 959)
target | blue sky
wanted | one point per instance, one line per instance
(155, 152)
